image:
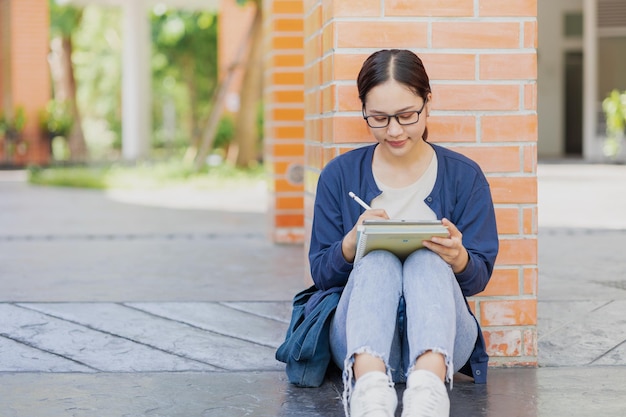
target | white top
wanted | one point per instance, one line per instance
(407, 203)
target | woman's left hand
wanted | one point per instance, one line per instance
(450, 249)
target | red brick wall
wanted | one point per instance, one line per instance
(28, 68)
(481, 57)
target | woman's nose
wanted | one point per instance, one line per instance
(394, 128)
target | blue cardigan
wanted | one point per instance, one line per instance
(461, 194)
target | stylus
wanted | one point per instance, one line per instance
(358, 200)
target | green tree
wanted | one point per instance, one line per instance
(185, 66)
(64, 20)
(243, 150)
(183, 62)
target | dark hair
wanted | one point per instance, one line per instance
(398, 64)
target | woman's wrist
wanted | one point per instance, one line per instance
(348, 250)
(461, 263)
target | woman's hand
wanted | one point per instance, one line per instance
(348, 245)
(450, 249)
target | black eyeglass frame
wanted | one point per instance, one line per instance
(396, 116)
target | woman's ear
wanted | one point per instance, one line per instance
(429, 99)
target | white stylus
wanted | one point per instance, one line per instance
(358, 200)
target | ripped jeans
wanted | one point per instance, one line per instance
(368, 319)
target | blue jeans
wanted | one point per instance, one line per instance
(368, 318)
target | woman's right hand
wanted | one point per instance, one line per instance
(348, 245)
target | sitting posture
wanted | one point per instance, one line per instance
(403, 320)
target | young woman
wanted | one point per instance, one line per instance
(403, 320)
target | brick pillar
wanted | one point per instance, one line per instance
(481, 57)
(284, 117)
(26, 79)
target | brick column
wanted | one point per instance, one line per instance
(284, 117)
(25, 74)
(481, 57)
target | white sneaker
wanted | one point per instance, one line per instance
(425, 396)
(373, 396)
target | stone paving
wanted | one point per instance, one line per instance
(129, 305)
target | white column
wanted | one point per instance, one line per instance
(136, 78)
(592, 149)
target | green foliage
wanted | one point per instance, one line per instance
(3, 125)
(614, 106)
(56, 119)
(80, 177)
(167, 174)
(11, 127)
(225, 132)
(244, 2)
(97, 61)
(60, 149)
(19, 119)
(64, 18)
(260, 118)
(184, 66)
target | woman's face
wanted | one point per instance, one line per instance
(392, 98)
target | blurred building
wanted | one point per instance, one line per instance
(581, 58)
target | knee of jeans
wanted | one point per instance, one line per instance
(379, 263)
(423, 255)
(380, 260)
(424, 258)
(380, 256)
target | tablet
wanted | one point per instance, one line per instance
(401, 237)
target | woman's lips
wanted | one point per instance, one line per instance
(396, 143)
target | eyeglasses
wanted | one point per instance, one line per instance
(404, 118)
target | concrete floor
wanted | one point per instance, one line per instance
(144, 305)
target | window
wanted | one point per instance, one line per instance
(573, 26)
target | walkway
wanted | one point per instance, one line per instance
(122, 304)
